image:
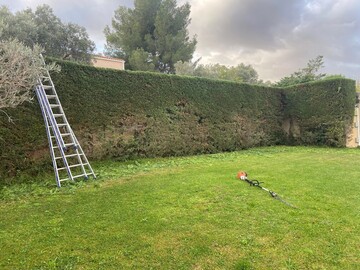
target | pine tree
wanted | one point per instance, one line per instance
(157, 29)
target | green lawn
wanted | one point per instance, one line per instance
(192, 213)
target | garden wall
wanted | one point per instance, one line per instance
(123, 114)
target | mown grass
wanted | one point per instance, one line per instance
(191, 213)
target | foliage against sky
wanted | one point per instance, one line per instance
(151, 35)
(276, 37)
(43, 27)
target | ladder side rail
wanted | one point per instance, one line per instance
(60, 107)
(67, 126)
(83, 155)
(57, 133)
(66, 165)
(81, 163)
(50, 114)
(61, 149)
(57, 99)
(48, 133)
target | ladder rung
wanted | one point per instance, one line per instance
(51, 96)
(66, 145)
(59, 125)
(58, 114)
(77, 165)
(62, 135)
(46, 87)
(76, 176)
(72, 155)
(69, 144)
(72, 166)
(54, 105)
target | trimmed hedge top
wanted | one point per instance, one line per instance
(106, 92)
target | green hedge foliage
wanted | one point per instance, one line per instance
(123, 115)
(319, 113)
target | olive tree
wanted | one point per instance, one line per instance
(61, 40)
(20, 68)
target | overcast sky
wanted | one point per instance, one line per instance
(277, 37)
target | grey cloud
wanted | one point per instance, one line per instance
(278, 37)
(247, 23)
(331, 28)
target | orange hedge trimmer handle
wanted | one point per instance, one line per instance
(242, 175)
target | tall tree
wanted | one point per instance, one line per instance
(158, 28)
(76, 43)
(20, 26)
(141, 60)
(42, 27)
(240, 73)
(243, 73)
(186, 68)
(306, 74)
(50, 31)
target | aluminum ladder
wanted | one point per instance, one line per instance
(68, 158)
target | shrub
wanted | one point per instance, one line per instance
(322, 110)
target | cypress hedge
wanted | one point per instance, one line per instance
(124, 115)
(319, 113)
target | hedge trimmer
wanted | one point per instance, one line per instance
(243, 176)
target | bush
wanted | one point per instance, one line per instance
(20, 67)
(322, 111)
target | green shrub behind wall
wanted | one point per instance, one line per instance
(120, 114)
